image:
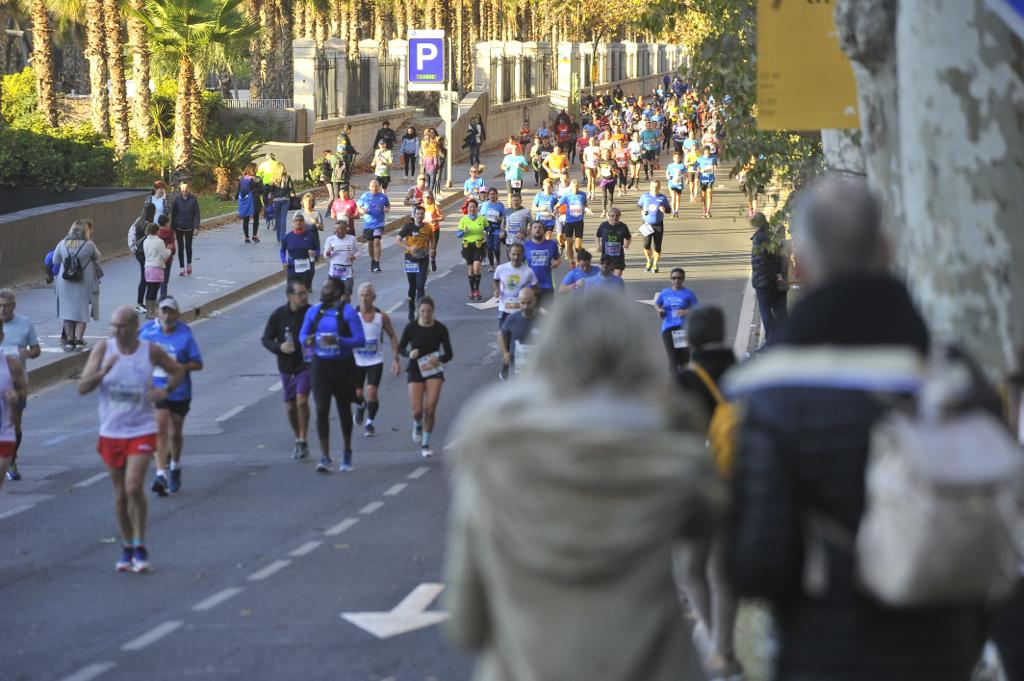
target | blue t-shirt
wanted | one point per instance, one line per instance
(576, 274)
(493, 212)
(472, 186)
(651, 139)
(513, 166)
(613, 282)
(688, 143)
(592, 129)
(295, 249)
(181, 345)
(539, 257)
(676, 172)
(545, 203)
(706, 166)
(543, 132)
(650, 203)
(327, 342)
(574, 206)
(671, 300)
(374, 205)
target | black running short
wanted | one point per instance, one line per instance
(370, 375)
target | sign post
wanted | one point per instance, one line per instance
(447, 108)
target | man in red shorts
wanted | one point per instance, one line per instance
(13, 393)
(122, 368)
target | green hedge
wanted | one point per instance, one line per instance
(61, 160)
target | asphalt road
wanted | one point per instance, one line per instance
(258, 557)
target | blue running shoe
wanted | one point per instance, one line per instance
(124, 563)
(175, 484)
(140, 560)
(12, 472)
(325, 465)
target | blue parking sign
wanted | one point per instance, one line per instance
(426, 60)
(1011, 11)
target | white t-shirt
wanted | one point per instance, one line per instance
(343, 252)
(590, 156)
(511, 280)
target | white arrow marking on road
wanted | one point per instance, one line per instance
(486, 305)
(647, 302)
(409, 615)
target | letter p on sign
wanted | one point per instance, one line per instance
(426, 67)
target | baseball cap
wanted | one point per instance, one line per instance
(169, 302)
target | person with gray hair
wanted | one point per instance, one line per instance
(802, 452)
(565, 509)
(78, 285)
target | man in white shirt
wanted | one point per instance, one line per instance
(509, 279)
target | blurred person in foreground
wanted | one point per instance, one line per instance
(802, 454)
(566, 509)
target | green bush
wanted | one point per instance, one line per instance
(146, 160)
(58, 159)
(18, 101)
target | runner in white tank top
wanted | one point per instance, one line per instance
(13, 391)
(122, 368)
(370, 358)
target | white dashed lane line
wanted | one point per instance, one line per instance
(341, 527)
(15, 511)
(308, 547)
(91, 672)
(234, 411)
(418, 473)
(371, 507)
(269, 570)
(217, 598)
(153, 635)
(275, 387)
(91, 481)
(395, 489)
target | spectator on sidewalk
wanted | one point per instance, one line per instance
(184, 221)
(347, 150)
(136, 235)
(281, 191)
(768, 279)
(158, 198)
(166, 234)
(250, 203)
(386, 135)
(156, 254)
(565, 510)
(78, 284)
(475, 137)
(409, 149)
(802, 452)
(328, 162)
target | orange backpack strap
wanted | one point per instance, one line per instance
(708, 382)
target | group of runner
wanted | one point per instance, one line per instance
(338, 349)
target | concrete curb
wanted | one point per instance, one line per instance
(69, 365)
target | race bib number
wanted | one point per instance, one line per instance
(613, 248)
(646, 230)
(680, 339)
(544, 215)
(575, 210)
(301, 265)
(412, 267)
(342, 272)
(124, 397)
(493, 216)
(327, 343)
(516, 184)
(540, 259)
(368, 350)
(512, 305)
(430, 364)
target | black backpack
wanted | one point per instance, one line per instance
(73, 270)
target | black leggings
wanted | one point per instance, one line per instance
(608, 196)
(678, 358)
(334, 378)
(184, 241)
(152, 288)
(408, 164)
(255, 224)
(142, 280)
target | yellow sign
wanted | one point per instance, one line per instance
(804, 81)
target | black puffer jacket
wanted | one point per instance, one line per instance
(805, 449)
(764, 266)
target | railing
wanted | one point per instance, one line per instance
(587, 60)
(272, 104)
(325, 103)
(528, 89)
(388, 88)
(508, 72)
(357, 95)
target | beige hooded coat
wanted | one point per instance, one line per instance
(559, 562)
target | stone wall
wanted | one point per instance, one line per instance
(364, 129)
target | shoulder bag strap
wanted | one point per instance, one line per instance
(708, 382)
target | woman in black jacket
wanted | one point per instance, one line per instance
(767, 279)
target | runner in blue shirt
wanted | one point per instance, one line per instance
(653, 207)
(299, 250)
(706, 165)
(176, 338)
(373, 205)
(541, 255)
(493, 211)
(514, 165)
(471, 187)
(544, 207)
(676, 174)
(577, 275)
(575, 203)
(650, 139)
(606, 278)
(330, 333)
(673, 304)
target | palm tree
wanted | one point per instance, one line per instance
(42, 62)
(140, 72)
(187, 31)
(96, 53)
(115, 67)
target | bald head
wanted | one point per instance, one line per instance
(837, 227)
(124, 315)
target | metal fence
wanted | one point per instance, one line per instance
(492, 76)
(325, 103)
(585, 76)
(357, 94)
(388, 88)
(272, 104)
(528, 89)
(508, 72)
(545, 75)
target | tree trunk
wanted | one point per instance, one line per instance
(197, 121)
(96, 53)
(302, 29)
(42, 61)
(842, 151)
(929, 73)
(182, 145)
(115, 65)
(140, 73)
(255, 10)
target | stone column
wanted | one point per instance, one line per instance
(304, 81)
(482, 68)
(630, 51)
(514, 49)
(543, 79)
(603, 64)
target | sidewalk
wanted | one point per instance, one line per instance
(224, 270)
